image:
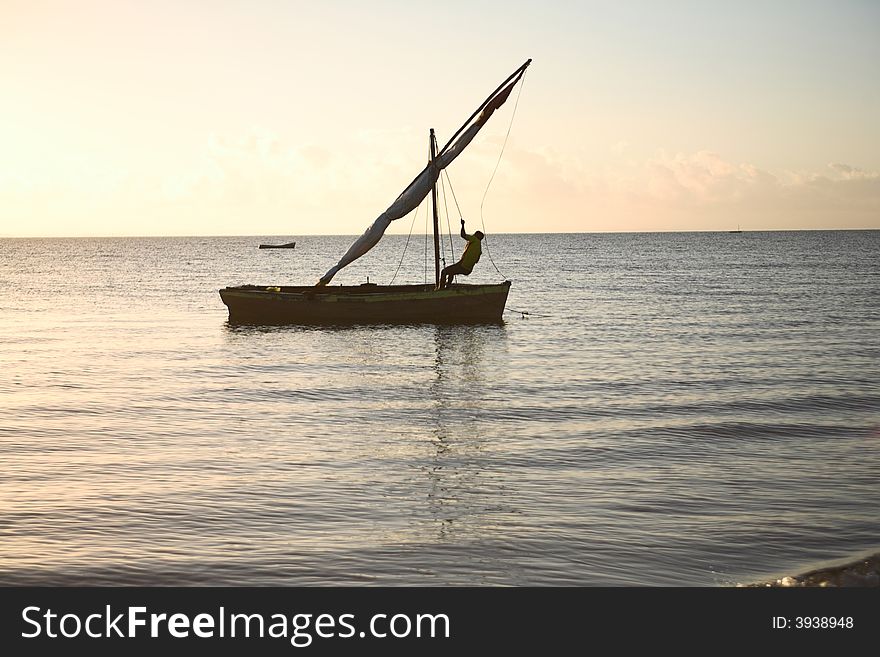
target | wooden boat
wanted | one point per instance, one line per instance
(289, 245)
(366, 304)
(460, 303)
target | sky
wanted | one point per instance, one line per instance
(287, 117)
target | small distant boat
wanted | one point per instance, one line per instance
(289, 245)
(735, 231)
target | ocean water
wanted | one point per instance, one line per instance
(696, 409)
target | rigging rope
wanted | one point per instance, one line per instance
(525, 313)
(455, 199)
(492, 177)
(405, 246)
(457, 207)
(428, 229)
(448, 227)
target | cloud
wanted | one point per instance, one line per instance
(282, 185)
(259, 182)
(703, 177)
(847, 172)
(620, 147)
(686, 191)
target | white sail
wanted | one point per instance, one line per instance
(419, 188)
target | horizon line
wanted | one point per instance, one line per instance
(571, 232)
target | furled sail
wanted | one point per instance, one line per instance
(419, 188)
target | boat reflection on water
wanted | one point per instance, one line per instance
(462, 495)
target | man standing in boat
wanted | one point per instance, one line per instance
(469, 258)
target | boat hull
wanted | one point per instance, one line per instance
(366, 304)
(289, 245)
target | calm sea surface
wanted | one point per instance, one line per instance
(679, 409)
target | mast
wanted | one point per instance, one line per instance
(433, 140)
(426, 181)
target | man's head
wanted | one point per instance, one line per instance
(479, 235)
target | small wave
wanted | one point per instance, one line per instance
(863, 572)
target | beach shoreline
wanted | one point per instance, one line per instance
(861, 572)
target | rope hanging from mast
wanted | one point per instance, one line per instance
(425, 181)
(485, 193)
(448, 227)
(522, 82)
(440, 247)
(406, 246)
